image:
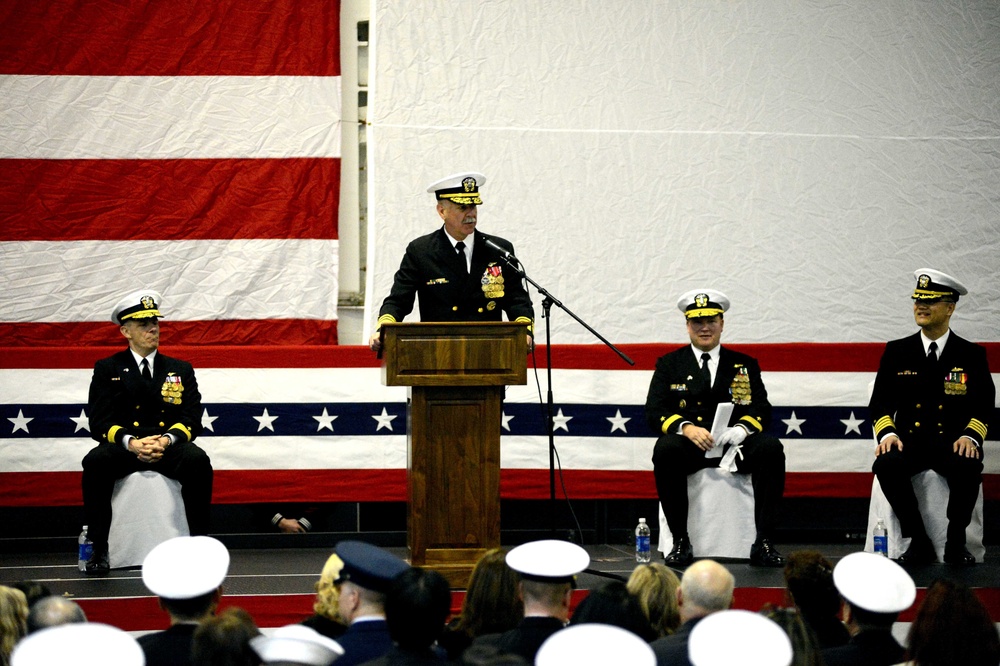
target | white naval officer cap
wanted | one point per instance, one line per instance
(462, 188)
(739, 637)
(594, 643)
(185, 567)
(874, 583)
(934, 285)
(80, 644)
(296, 644)
(548, 560)
(702, 303)
(140, 304)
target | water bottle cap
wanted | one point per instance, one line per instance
(642, 520)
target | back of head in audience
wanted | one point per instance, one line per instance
(809, 579)
(33, 590)
(224, 640)
(953, 627)
(186, 572)
(655, 586)
(79, 644)
(613, 604)
(52, 611)
(327, 594)
(876, 588)
(13, 620)
(548, 570)
(805, 646)
(732, 637)
(417, 607)
(593, 643)
(492, 603)
(296, 645)
(706, 587)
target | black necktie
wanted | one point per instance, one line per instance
(146, 374)
(460, 248)
(932, 355)
(706, 373)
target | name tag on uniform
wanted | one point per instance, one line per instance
(438, 281)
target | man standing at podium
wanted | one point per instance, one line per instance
(454, 270)
(688, 386)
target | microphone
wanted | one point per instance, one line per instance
(503, 253)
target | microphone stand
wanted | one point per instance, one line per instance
(547, 302)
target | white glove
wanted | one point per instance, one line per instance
(734, 435)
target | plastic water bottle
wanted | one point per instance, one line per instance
(642, 542)
(880, 539)
(85, 548)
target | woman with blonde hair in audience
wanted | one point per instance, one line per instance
(952, 627)
(13, 621)
(492, 604)
(326, 619)
(655, 586)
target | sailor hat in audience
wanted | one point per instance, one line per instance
(933, 285)
(738, 637)
(80, 644)
(296, 644)
(368, 566)
(185, 567)
(874, 583)
(549, 560)
(702, 303)
(462, 188)
(140, 304)
(594, 644)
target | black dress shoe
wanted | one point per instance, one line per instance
(764, 554)
(919, 552)
(681, 554)
(959, 555)
(98, 565)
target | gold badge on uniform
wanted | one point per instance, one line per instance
(492, 282)
(740, 387)
(955, 382)
(172, 389)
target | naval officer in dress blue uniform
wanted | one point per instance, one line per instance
(931, 408)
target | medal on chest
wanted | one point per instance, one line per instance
(492, 281)
(740, 386)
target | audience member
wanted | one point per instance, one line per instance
(805, 645)
(595, 643)
(79, 644)
(52, 611)
(416, 608)
(548, 569)
(186, 573)
(491, 605)
(613, 604)
(952, 627)
(809, 583)
(13, 620)
(326, 617)
(655, 586)
(224, 640)
(489, 655)
(732, 637)
(706, 588)
(367, 574)
(876, 590)
(33, 590)
(296, 645)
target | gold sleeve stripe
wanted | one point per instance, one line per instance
(526, 320)
(183, 428)
(978, 427)
(112, 433)
(754, 422)
(386, 318)
(883, 423)
(667, 423)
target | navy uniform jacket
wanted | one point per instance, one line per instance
(364, 641)
(171, 647)
(123, 403)
(525, 639)
(933, 405)
(679, 393)
(433, 270)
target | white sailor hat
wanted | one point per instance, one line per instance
(702, 303)
(548, 561)
(874, 583)
(296, 644)
(80, 644)
(462, 188)
(738, 637)
(934, 285)
(185, 567)
(140, 304)
(368, 566)
(594, 643)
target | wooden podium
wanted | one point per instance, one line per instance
(457, 373)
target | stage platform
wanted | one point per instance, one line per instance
(276, 585)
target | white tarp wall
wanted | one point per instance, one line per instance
(802, 156)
